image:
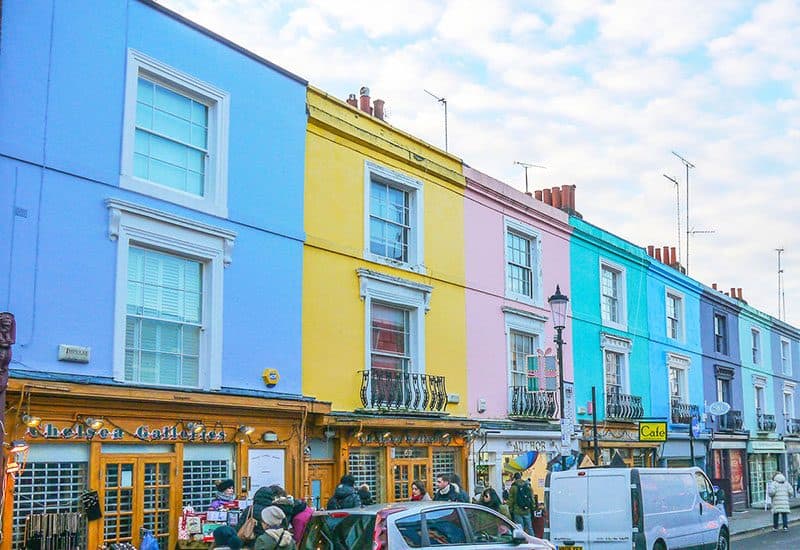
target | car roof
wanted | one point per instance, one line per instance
(373, 509)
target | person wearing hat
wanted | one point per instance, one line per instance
(225, 497)
(225, 537)
(275, 536)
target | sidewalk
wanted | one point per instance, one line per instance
(755, 519)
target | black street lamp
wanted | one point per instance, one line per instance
(558, 308)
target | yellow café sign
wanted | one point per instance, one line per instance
(652, 431)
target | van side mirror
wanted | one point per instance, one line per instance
(518, 536)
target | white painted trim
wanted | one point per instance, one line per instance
(524, 323)
(788, 355)
(623, 294)
(681, 298)
(416, 248)
(215, 199)
(684, 363)
(753, 331)
(393, 291)
(623, 346)
(131, 224)
(531, 233)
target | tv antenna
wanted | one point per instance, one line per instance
(527, 165)
(688, 232)
(781, 291)
(443, 101)
(677, 210)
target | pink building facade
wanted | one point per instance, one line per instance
(517, 251)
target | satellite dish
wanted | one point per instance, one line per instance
(718, 408)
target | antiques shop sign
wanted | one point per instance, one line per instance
(142, 433)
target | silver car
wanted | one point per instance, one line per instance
(415, 525)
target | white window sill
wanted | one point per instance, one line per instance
(618, 326)
(383, 260)
(522, 298)
(195, 202)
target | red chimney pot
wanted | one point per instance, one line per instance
(537, 195)
(378, 105)
(547, 196)
(364, 100)
(556, 197)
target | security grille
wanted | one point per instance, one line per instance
(444, 462)
(364, 465)
(51, 487)
(199, 477)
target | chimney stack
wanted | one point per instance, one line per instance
(714, 286)
(658, 254)
(378, 106)
(651, 250)
(739, 293)
(364, 100)
(733, 293)
(557, 197)
(547, 196)
(537, 194)
(665, 255)
(674, 257)
(351, 100)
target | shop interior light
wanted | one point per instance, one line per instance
(195, 427)
(246, 430)
(12, 467)
(269, 436)
(94, 423)
(445, 435)
(18, 446)
(387, 435)
(31, 421)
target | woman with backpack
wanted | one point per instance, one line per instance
(520, 503)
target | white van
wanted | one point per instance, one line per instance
(633, 509)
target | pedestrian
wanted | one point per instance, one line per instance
(263, 498)
(780, 491)
(491, 499)
(301, 515)
(365, 495)
(225, 537)
(275, 536)
(418, 491)
(345, 495)
(445, 490)
(797, 483)
(463, 496)
(520, 502)
(539, 520)
(225, 497)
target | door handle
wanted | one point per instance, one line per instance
(579, 523)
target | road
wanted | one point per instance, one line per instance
(769, 540)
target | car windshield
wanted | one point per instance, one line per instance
(349, 532)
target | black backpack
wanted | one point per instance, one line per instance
(524, 496)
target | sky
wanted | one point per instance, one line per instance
(599, 93)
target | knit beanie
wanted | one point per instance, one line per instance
(226, 536)
(272, 516)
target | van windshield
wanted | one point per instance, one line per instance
(351, 532)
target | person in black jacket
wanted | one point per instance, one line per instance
(462, 494)
(262, 499)
(446, 490)
(345, 495)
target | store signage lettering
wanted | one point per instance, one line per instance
(523, 445)
(143, 433)
(652, 431)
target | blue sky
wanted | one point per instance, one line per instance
(598, 92)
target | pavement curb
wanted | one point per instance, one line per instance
(754, 530)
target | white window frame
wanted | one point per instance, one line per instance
(523, 322)
(725, 336)
(683, 364)
(788, 390)
(760, 388)
(215, 196)
(680, 313)
(526, 231)
(622, 346)
(621, 299)
(786, 361)
(134, 225)
(755, 345)
(416, 241)
(396, 292)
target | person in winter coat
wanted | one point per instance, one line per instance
(780, 491)
(225, 497)
(365, 495)
(446, 490)
(263, 498)
(462, 494)
(276, 536)
(225, 537)
(520, 514)
(345, 495)
(301, 514)
(418, 491)
(491, 499)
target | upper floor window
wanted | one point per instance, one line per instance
(674, 316)
(393, 227)
(786, 358)
(755, 338)
(175, 137)
(523, 250)
(760, 402)
(788, 403)
(391, 336)
(616, 354)
(168, 329)
(720, 333)
(612, 295)
(521, 346)
(678, 378)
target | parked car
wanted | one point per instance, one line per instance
(424, 524)
(639, 508)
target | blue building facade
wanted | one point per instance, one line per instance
(784, 341)
(153, 254)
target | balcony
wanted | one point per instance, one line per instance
(624, 407)
(792, 426)
(730, 422)
(386, 389)
(682, 413)
(765, 422)
(541, 404)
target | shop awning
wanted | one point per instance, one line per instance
(521, 462)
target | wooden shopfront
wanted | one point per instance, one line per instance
(147, 453)
(620, 439)
(388, 454)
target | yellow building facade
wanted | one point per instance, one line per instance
(384, 327)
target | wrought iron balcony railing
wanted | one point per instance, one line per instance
(621, 406)
(765, 422)
(534, 404)
(682, 413)
(792, 426)
(731, 421)
(388, 389)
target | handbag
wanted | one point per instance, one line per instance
(247, 531)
